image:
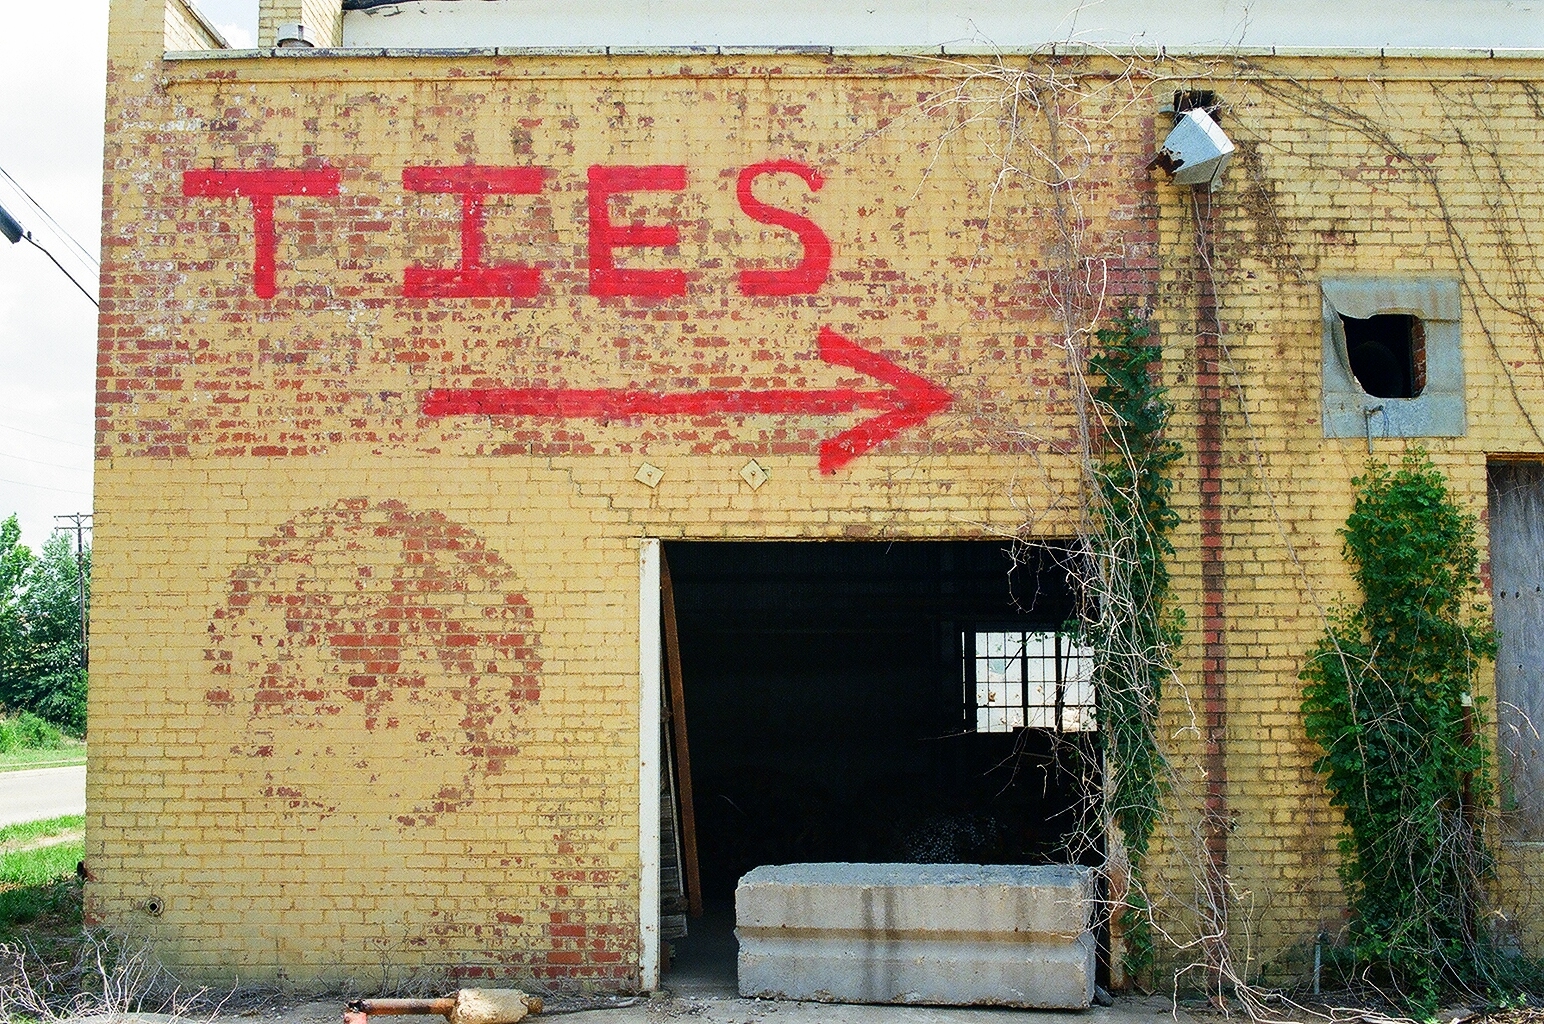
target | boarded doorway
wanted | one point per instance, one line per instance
(1517, 589)
(897, 701)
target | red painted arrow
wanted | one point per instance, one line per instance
(908, 401)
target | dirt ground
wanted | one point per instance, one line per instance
(706, 1009)
(696, 1008)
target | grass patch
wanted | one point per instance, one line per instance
(27, 741)
(38, 885)
(27, 730)
(70, 752)
(12, 836)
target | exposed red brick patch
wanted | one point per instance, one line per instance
(360, 634)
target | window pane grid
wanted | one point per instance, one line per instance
(1037, 679)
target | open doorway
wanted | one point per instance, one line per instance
(908, 701)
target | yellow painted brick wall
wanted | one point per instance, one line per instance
(365, 680)
(1346, 168)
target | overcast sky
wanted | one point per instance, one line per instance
(51, 96)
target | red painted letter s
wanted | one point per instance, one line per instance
(810, 274)
(606, 237)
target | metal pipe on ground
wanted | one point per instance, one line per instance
(468, 1006)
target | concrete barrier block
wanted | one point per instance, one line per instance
(946, 934)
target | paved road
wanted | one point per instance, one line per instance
(42, 793)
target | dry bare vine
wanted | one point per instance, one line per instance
(1046, 121)
(103, 973)
(1123, 455)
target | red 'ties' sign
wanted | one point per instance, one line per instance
(475, 277)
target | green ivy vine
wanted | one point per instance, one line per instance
(1387, 696)
(1132, 630)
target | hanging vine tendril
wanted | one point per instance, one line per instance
(1133, 631)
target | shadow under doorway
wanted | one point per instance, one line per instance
(897, 701)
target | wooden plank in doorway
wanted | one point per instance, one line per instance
(683, 761)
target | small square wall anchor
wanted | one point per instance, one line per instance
(649, 475)
(753, 474)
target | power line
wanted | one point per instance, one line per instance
(14, 233)
(47, 437)
(89, 266)
(66, 273)
(58, 228)
(40, 462)
(44, 487)
(49, 217)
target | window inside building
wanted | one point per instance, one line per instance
(1017, 679)
(1387, 354)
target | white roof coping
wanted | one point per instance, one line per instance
(975, 26)
(1373, 53)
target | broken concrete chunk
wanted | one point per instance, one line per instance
(492, 1006)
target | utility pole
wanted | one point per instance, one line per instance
(80, 522)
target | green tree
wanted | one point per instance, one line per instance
(15, 559)
(41, 653)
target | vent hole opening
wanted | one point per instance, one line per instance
(1197, 99)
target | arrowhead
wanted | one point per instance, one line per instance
(912, 400)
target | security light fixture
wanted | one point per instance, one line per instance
(9, 228)
(1196, 152)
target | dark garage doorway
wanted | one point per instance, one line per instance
(844, 702)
